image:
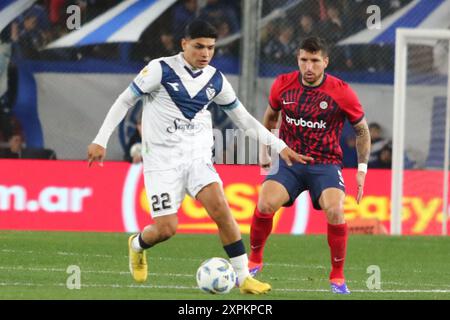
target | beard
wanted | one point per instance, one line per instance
(312, 79)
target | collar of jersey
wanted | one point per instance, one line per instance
(190, 69)
(311, 87)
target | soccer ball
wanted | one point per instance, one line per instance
(216, 275)
(136, 149)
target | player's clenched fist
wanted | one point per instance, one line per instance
(95, 152)
(289, 155)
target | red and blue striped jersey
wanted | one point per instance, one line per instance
(313, 117)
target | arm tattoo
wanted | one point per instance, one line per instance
(362, 142)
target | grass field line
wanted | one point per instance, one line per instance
(193, 259)
(142, 286)
(198, 260)
(186, 275)
(394, 283)
(61, 253)
(371, 291)
(119, 286)
(127, 273)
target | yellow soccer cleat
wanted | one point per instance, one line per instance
(253, 286)
(137, 262)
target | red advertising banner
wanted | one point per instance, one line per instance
(422, 201)
(60, 195)
(69, 196)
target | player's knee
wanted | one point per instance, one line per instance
(267, 207)
(335, 214)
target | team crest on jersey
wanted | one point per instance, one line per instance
(323, 105)
(210, 93)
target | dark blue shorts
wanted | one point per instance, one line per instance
(301, 177)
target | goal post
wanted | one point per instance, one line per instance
(405, 37)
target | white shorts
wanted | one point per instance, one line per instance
(166, 189)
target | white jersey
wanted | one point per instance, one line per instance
(176, 125)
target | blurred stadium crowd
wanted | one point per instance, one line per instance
(28, 35)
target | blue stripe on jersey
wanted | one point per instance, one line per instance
(230, 106)
(134, 87)
(179, 95)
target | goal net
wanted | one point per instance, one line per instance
(421, 131)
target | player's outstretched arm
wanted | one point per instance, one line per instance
(363, 151)
(244, 120)
(270, 121)
(97, 149)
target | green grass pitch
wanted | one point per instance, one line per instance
(33, 265)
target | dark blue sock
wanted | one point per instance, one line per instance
(235, 249)
(142, 243)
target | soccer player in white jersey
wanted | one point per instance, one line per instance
(177, 144)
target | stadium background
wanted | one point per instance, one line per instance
(56, 91)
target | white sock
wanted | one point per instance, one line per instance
(240, 266)
(135, 244)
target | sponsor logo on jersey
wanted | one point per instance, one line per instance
(174, 85)
(183, 125)
(288, 102)
(309, 124)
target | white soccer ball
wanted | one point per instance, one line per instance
(136, 149)
(216, 275)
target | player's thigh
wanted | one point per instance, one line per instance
(165, 191)
(281, 187)
(272, 196)
(326, 186)
(201, 173)
(205, 185)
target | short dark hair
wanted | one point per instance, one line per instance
(374, 125)
(200, 29)
(314, 44)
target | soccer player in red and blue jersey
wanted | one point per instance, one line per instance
(313, 106)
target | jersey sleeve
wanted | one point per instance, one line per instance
(349, 103)
(226, 98)
(274, 97)
(148, 80)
